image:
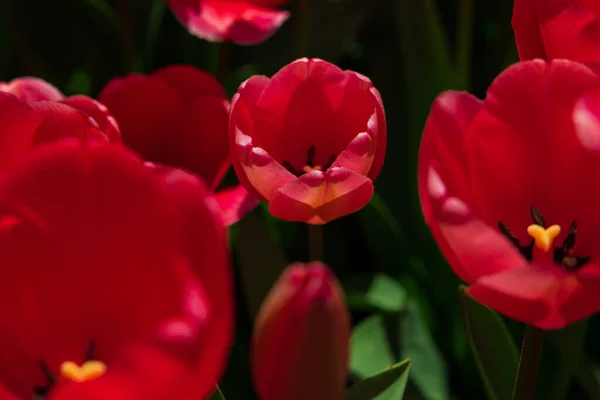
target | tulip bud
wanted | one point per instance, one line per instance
(300, 344)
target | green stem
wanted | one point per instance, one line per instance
(126, 34)
(464, 39)
(315, 242)
(531, 352)
(303, 24)
(223, 62)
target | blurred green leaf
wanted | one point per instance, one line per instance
(370, 350)
(588, 376)
(217, 395)
(429, 372)
(569, 343)
(388, 384)
(155, 18)
(387, 294)
(492, 345)
(261, 261)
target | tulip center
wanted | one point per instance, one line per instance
(310, 164)
(543, 240)
(72, 371)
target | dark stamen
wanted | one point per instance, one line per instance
(42, 391)
(329, 163)
(573, 263)
(310, 156)
(287, 165)
(89, 354)
(537, 217)
(569, 241)
(506, 232)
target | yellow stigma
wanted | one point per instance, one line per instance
(543, 236)
(87, 371)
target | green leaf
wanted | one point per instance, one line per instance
(384, 295)
(429, 372)
(388, 384)
(588, 376)
(569, 343)
(261, 261)
(370, 350)
(387, 294)
(217, 395)
(494, 349)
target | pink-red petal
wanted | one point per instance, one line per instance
(235, 202)
(99, 113)
(29, 89)
(238, 21)
(317, 197)
(543, 296)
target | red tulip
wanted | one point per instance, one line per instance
(300, 344)
(63, 116)
(557, 29)
(115, 279)
(310, 141)
(507, 186)
(242, 22)
(178, 117)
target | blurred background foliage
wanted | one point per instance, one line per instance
(404, 298)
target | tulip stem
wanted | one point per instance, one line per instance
(315, 242)
(302, 25)
(531, 352)
(126, 34)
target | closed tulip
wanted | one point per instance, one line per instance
(300, 344)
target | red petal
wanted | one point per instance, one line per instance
(68, 237)
(317, 197)
(358, 157)
(542, 296)
(471, 246)
(190, 82)
(381, 137)
(99, 113)
(60, 121)
(18, 123)
(31, 89)
(147, 111)
(200, 144)
(525, 23)
(263, 173)
(570, 30)
(235, 202)
(528, 119)
(237, 21)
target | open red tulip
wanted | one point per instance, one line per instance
(243, 22)
(310, 140)
(115, 279)
(178, 117)
(63, 116)
(508, 187)
(300, 342)
(557, 29)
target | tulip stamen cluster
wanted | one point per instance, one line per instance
(310, 163)
(543, 238)
(72, 371)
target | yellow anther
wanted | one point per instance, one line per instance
(308, 168)
(87, 371)
(543, 236)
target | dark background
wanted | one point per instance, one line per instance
(412, 50)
